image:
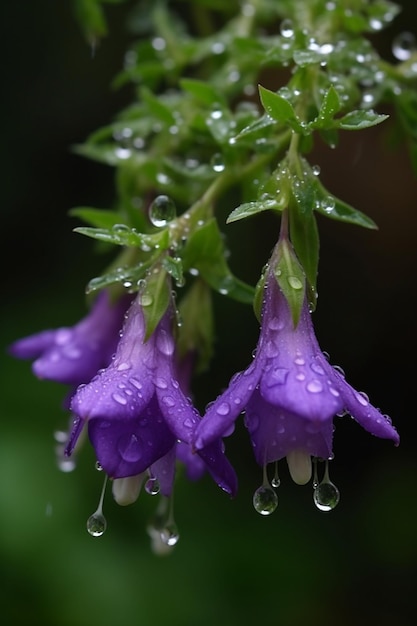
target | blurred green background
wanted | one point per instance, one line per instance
(356, 565)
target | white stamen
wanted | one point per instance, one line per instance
(126, 490)
(299, 464)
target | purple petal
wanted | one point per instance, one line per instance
(276, 432)
(125, 447)
(219, 467)
(164, 471)
(222, 413)
(194, 464)
(370, 418)
(32, 347)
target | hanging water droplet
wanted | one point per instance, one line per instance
(275, 482)
(162, 211)
(96, 524)
(326, 496)
(170, 534)
(98, 466)
(316, 170)
(265, 500)
(287, 29)
(217, 163)
(145, 298)
(403, 46)
(152, 486)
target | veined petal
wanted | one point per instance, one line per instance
(370, 418)
(276, 432)
(125, 447)
(222, 413)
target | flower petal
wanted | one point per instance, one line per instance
(276, 432)
(370, 418)
(125, 447)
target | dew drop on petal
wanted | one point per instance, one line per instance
(129, 448)
(265, 500)
(117, 397)
(314, 386)
(223, 408)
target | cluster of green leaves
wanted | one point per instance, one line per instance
(198, 126)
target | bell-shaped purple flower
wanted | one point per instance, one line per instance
(73, 355)
(136, 410)
(290, 392)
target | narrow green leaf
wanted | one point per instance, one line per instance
(336, 209)
(357, 120)
(122, 235)
(252, 208)
(204, 252)
(330, 105)
(173, 265)
(291, 279)
(280, 109)
(202, 91)
(155, 299)
(305, 239)
(100, 218)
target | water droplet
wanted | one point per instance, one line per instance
(276, 324)
(161, 383)
(314, 386)
(316, 170)
(223, 408)
(98, 466)
(275, 482)
(299, 360)
(169, 534)
(287, 29)
(122, 153)
(265, 500)
(165, 343)
(295, 282)
(129, 447)
(145, 298)
(161, 211)
(152, 486)
(328, 204)
(326, 496)
(218, 47)
(217, 163)
(317, 368)
(339, 370)
(375, 23)
(117, 397)
(96, 524)
(362, 398)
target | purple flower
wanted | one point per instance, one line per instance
(137, 412)
(73, 355)
(290, 394)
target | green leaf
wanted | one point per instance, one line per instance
(337, 209)
(257, 128)
(202, 91)
(252, 208)
(127, 276)
(291, 279)
(157, 108)
(173, 265)
(280, 109)
(330, 105)
(155, 298)
(305, 239)
(307, 57)
(100, 218)
(123, 235)
(204, 252)
(357, 120)
(196, 333)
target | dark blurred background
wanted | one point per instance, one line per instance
(356, 565)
